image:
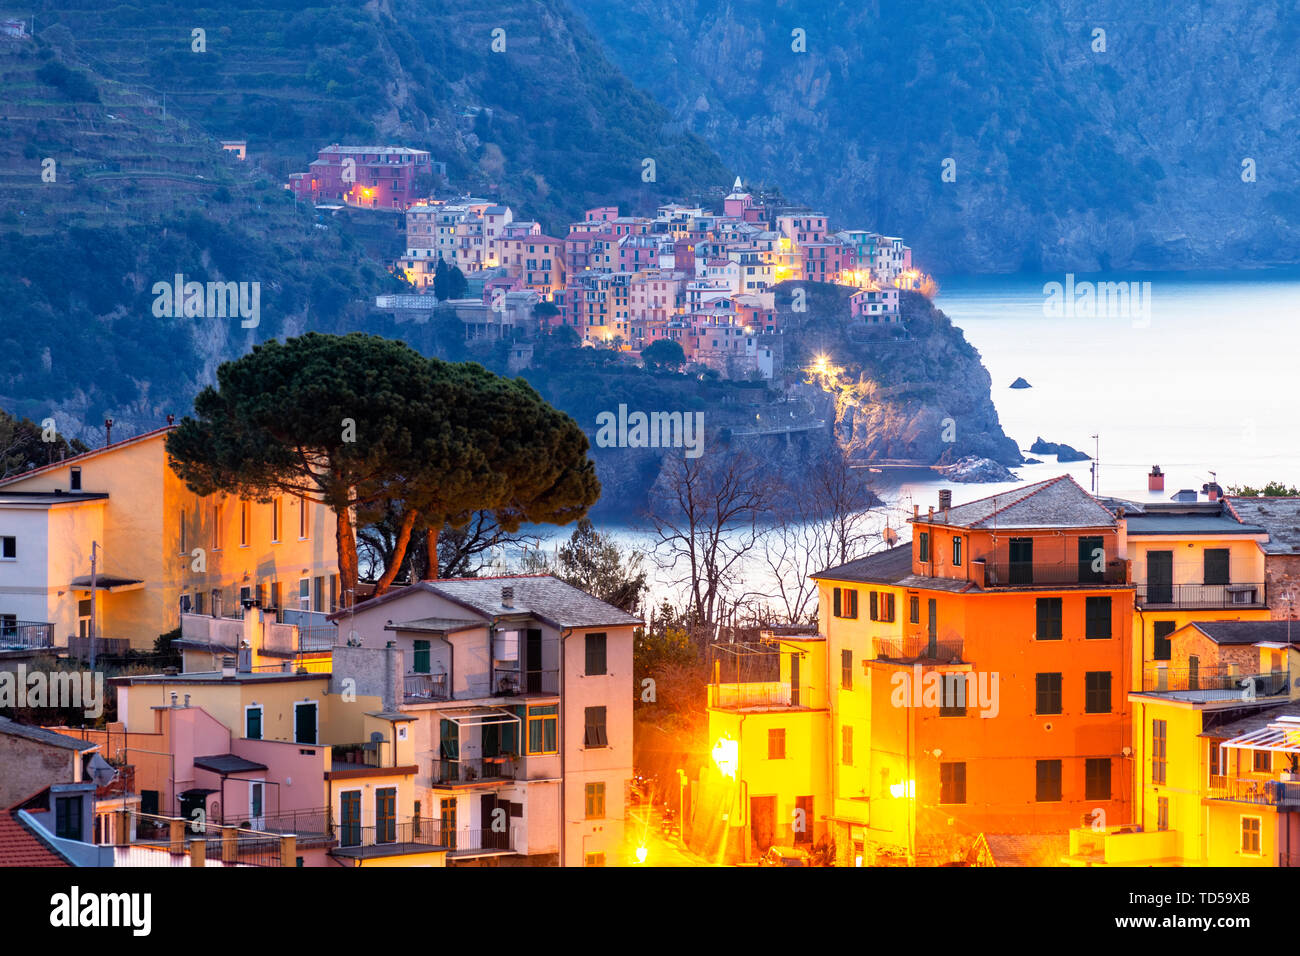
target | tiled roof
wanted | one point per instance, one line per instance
(1027, 849)
(73, 459)
(43, 736)
(1280, 517)
(1248, 632)
(884, 567)
(227, 763)
(1054, 503)
(20, 847)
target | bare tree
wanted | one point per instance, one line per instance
(708, 515)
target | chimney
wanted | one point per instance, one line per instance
(945, 499)
(1212, 489)
(227, 669)
(507, 596)
(187, 700)
(931, 517)
(1156, 479)
(245, 660)
(173, 698)
(916, 512)
(392, 676)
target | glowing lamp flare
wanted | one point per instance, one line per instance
(726, 754)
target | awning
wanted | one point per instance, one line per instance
(478, 716)
(1283, 735)
(227, 763)
(105, 582)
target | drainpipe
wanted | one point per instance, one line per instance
(559, 733)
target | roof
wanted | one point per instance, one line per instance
(1247, 632)
(227, 763)
(20, 846)
(541, 596)
(47, 498)
(103, 582)
(42, 736)
(884, 567)
(88, 454)
(214, 677)
(1027, 849)
(1280, 517)
(1057, 502)
(1184, 523)
(437, 625)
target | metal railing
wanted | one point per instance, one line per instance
(465, 841)
(1215, 682)
(1275, 793)
(732, 694)
(919, 648)
(1249, 594)
(317, 637)
(390, 833)
(470, 770)
(305, 824)
(425, 686)
(363, 755)
(26, 634)
(510, 682)
(1012, 574)
(231, 845)
(79, 647)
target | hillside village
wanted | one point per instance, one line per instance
(690, 275)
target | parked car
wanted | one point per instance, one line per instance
(785, 856)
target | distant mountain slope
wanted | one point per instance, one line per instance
(1066, 159)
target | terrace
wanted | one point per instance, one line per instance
(1200, 596)
(1214, 683)
(26, 635)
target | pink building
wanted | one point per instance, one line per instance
(379, 177)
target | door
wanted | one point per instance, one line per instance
(449, 751)
(1193, 672)
(794, 680)
(762, 822)
(1020, 568)
(447, 822)
(350, 818)
(494, 824)
(533, 661)
(1092, 560)
(1160, 577)
(803, 820)
(256, 808)
(932, 629)
(304, 723)
(386, 815)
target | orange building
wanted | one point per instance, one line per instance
(983, 668)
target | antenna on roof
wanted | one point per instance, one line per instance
(1096, 462)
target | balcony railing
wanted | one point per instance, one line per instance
(752, 694)
(462, 842)
(386, 833)
(919, 649)
(1274, 793)
(1214, 683)
(425, 687)
(1200, 595)
(305, 824)
(26, 634)
(472, 770)
(364, 755)
(1012, 574)
(79, 647)
(512, 682)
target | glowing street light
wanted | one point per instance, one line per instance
(726, 754)
(905, 789)
(641, 853)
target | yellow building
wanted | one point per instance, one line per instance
(769, 726)
(157, 547)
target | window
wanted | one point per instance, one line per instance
(1048, 786)
(596, 649)
(74, 481)
(776, 743)
(1162, 649)
(846, 669)
(305, 723)
(302, 519)
(595, 723)
(1158, 761)
(923, 546)
(304, 594)
(595, 794)
(846, 745)
(1096, 617)
(887, 607)
(1049, 619)
(67, 817)
(420, 657)
(1047, 693)
(245, 523)
(595, 859)
(275, 594)
(542, 722)
(184, 548)
(275, 519)
(873, 605)
(1263, 761)
(952, 782)
(216, 527)
(1162, 813)
(1250, 829)
(9, 548)
(1092, 559)
(844, 602)
(956, 551)
(953, 700)
(1216, 566)
(318, 593)
(253, 722)
(914, 608)
(1216, 760)
(1096, 775)
(1096, 697)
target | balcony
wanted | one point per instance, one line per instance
(26, 635)
(912, 649)
(1200, 596)
(755, 694)
(1016, 574)
(1283, 794)
(470, 842)
(517, 682)
(423, 687)
(388, 837)
(469, 770)
(1213, 683)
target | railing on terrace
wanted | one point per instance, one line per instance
(317, 637)
(1274, 793)
(752, 694)
(459, 842)
(363, 755)
(473, 769)
(510, 682)
(26, 634)
(1214, 683)
(304, 824)
(418, 832)
(918, 648)
(425, 686)
(234, 846)
(79, 647)
(1009, 574)
(1200, 595)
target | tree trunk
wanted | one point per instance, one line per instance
(399, 551)
(431, 550)
(345, 539)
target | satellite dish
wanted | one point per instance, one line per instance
(100, 770)
(890, 536)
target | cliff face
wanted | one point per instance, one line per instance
(1066, 157)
